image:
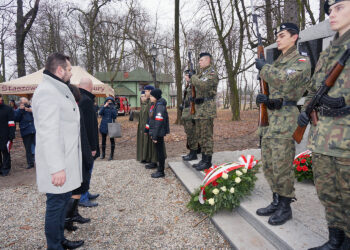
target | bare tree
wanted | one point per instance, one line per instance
(23, 25)
(178, 72)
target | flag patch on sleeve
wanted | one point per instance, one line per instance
(302, 60)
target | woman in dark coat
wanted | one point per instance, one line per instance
(72, 213)
(108, 113)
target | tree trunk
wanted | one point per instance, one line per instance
(22, 31)
(291, 10)
(322, 15)
(178, 73)
(268, 18)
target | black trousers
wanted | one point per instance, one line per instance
(5, 161)
(104, 136)
(56, 206)
(160, 153)
(28, 140)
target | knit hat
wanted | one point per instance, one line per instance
(156, 93)
(142, 92)
(149, 87)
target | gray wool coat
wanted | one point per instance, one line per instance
(58, 144)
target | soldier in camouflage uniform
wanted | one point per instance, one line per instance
(287, 78)
(329, 139)
(190, 128)
(205, 83)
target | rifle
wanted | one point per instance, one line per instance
(263, 116)
(326, 85)
(190, 72)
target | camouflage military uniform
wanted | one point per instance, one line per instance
(189, 123)
(287, 78)
(206, 83)
(330, 141)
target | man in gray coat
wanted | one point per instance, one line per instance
(58, 149)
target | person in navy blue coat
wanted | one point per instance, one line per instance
(108, 112)
(24, 116)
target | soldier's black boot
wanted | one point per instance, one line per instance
(200, 162)
(336, 239)
(68, 223)
(270, 209)
(206, 163)
(346, 244)
(77, 217)
(283, 212)
(103, 153)
(191, 156)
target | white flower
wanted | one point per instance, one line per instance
(224, 176)
(238, 173)
(223, 189)
(216, 191)
(211, 201)
(232, 190)
(238, 180)
(244, 170)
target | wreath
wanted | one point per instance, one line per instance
(224, 186)
(303, 166)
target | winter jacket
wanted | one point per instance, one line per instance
(158, 121)
(7, 125)
(58, 142)
(108, 114)
(87, 108)
(26, 121)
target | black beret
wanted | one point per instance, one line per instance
(156, 93)
(329, 3)
(149, 87)
(287, 26)
(204, 54)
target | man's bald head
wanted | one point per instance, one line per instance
(86, 83)
(23, 100)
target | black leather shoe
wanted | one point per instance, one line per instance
(191, 156)
(206, 163)
(158, 174)
(93, 196)
(346, 244)
(283, 212)
(151, 165)
(336, 239)
(103, 153)
(70, 208)
(270, 209)
(88, 203)
(200, 162)
(69, 226)
(78, 218)
(68, 244)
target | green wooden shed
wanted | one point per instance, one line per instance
(130, 84)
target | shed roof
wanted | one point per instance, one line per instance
(137, 75)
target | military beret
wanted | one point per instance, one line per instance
(286, 26)
(149, 87)
(204, 54)
(329, 3)
(142, 92)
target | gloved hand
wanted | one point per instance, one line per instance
(261, 98)
(303, 119)
(259, 63)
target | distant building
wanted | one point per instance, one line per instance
(130, 84)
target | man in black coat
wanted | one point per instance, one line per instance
(7, 134)
(86, 105)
